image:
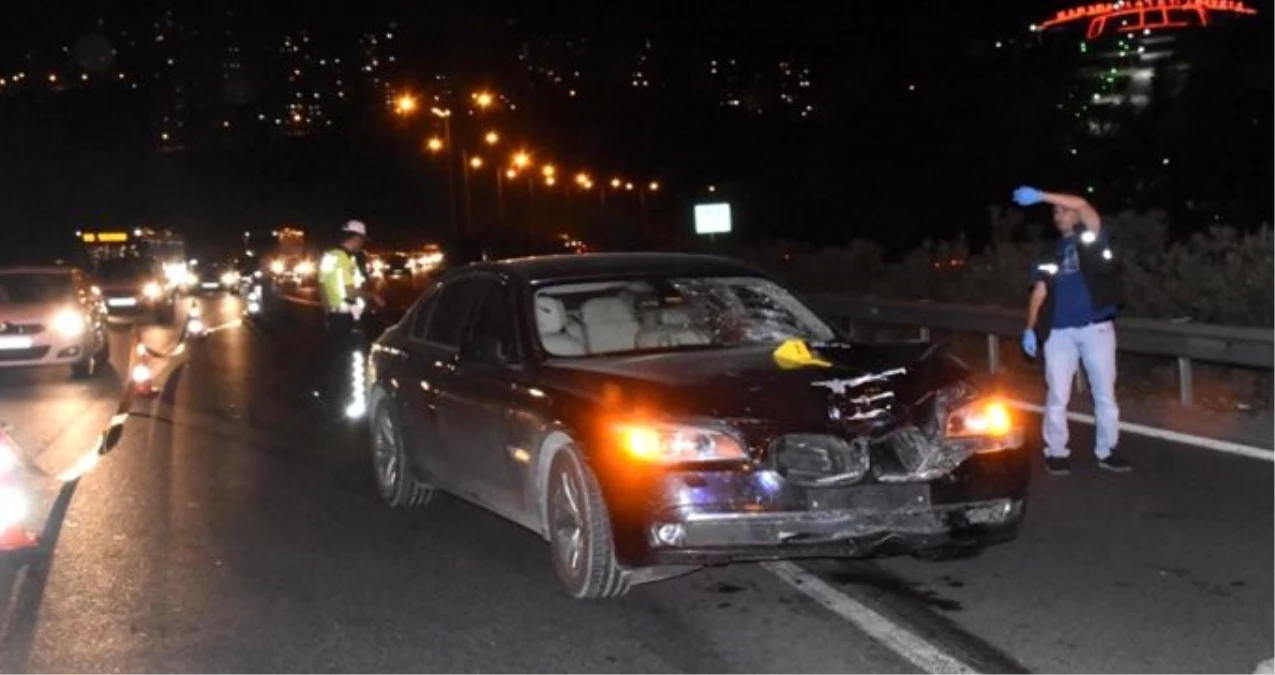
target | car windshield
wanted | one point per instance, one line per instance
(123, 268)
(398, 261)
(35, 288)
(671, 313)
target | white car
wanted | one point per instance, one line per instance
(52, 316)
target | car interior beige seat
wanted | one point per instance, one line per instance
(672, 330)
(610, 325)
(551, 321)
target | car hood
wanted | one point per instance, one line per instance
(29, 313)
(863, 385)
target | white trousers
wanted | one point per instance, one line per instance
(1095, 346)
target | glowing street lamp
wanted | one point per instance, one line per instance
(549, 171)
(475, 162)
(582, 178)
(483, 99)
(522, 160)
(550, 181)
(491, 138)
(434, 144)
(654, 186)
(628, 186)
(405, 104)
(616, 182)
(511, 174)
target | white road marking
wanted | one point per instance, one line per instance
(914, 648)
(1252, 451)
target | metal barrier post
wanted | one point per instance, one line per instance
(1185, 394)
(993, 353)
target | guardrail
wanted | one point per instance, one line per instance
(1238, 346)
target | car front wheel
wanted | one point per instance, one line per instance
(394, 481)
(93, 363)
(580, 530)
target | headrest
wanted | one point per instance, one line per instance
(606, 308)
(678, 317)
(551, 315)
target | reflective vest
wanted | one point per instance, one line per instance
(339, 271)
(1099, 267)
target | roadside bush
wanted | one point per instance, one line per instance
(1218, 275)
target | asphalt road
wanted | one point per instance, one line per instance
(232, 531)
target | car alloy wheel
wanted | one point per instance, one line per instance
(568, 528)
(393, 480)
(579, 530)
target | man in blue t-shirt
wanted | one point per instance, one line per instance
(1074, 300)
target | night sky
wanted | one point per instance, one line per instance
(916, 117)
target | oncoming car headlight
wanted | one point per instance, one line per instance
(679, 443)
(304, 268)
(152, 290)
(982, 417)
(68, 323)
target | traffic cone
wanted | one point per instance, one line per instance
(14, 501)
(142, 376)
(15, 537)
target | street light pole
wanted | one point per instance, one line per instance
(451, 173)
(500, 195)
(469, 202)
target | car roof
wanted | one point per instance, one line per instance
(539, 269)
(35, 269)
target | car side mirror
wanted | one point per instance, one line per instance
(482, 350)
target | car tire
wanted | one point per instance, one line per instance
(93, 364)
(390, 468)
(103, 357)
(579, 529)
(82, 369)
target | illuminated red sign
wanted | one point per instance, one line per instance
(1134, 15)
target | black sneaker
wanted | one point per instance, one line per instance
(1114, 462)
(1058, 466)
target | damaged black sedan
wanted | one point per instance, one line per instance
(648, 414)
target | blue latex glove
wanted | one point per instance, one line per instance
(1029, 343)
(1027, 196)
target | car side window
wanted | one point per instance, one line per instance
(421, 314)
(496, 319)
(452, 310)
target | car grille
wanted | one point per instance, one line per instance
(29, 354)
(21, 328)
(820, 459)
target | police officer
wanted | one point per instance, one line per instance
(343, 286)
(1075, 297)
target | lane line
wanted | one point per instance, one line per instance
(910, 646)
(1251, 451)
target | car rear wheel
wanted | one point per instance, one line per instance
(580, 530)
(394, 481)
